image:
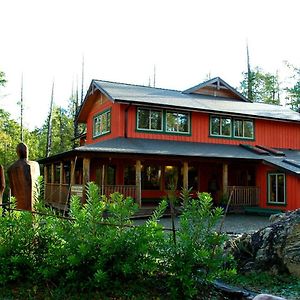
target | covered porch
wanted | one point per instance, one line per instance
(147, 179)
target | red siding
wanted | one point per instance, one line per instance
(292, 189)
(116, 120)
(268, 133)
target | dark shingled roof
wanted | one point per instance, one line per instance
(290, 161)
(143, 95)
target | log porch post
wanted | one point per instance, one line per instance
(52, 182)
(138, 177)
(225, 178)
(185, 175)
(85, 176)
(72, 175)
(61, 180)
(45, 180)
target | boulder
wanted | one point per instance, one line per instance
(267, 297)
(275, 248)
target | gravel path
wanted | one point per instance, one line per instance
(234, 223)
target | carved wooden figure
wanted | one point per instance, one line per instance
(2, 183)
(23, 175)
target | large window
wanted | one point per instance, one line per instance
(276, 188)
(221, 126)
(243, 129)
(151, 177)
(149, 119)
(101, 124)
(156, 120)
(177, 122)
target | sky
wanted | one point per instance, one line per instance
(122, 40)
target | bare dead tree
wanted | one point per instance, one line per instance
(49, 124)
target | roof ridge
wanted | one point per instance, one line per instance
(138, 85)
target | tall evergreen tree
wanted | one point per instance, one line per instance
(293, 92)
(265, 87)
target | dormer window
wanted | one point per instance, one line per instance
(101, 123)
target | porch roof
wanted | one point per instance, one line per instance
(290, 161)
(168, 148)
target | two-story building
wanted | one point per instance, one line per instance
(140, 140)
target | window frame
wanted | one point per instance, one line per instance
(178, 112)
(99, 117)
(164, 121)
(149, 129)
(243, 128)
(232, 127)
(220, 126)
(269, 188)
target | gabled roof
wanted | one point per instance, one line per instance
(216, 83)
(187, 100)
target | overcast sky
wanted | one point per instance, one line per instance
(122, 40)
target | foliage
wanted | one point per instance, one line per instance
(198, 255)
(293, 92)
(283, 285)
(98, 247)
(265, 86)
(2, 78)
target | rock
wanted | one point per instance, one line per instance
(275, 248)
(267, 297)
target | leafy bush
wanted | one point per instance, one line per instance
(98, 247)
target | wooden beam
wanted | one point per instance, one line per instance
(225, 178)
(85, 176)
(61, 180)
(45, 174)
(138, 181)
(185, 175)
(72, 171)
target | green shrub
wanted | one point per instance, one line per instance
(98, 247)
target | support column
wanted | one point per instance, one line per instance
(85, 176)
(52, 188)
(138, 177)
(61, 180)
(225, 178)
(185, 175)
(72, 175)
(45, 181)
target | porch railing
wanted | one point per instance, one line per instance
(244, 195)
(126, 190)
(57, 194)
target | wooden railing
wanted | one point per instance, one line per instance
(125, 190)
(244, 195)
(57, 194)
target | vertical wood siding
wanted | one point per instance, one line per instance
(269, 133)
(100, 105)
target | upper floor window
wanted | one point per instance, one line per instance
(163, 121)
(177, 122)
(101, 123)
(230, 127)
(149, 119)
(220, 126)
(243, 129)
(276, 188)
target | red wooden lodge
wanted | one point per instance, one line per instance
(209, 137)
